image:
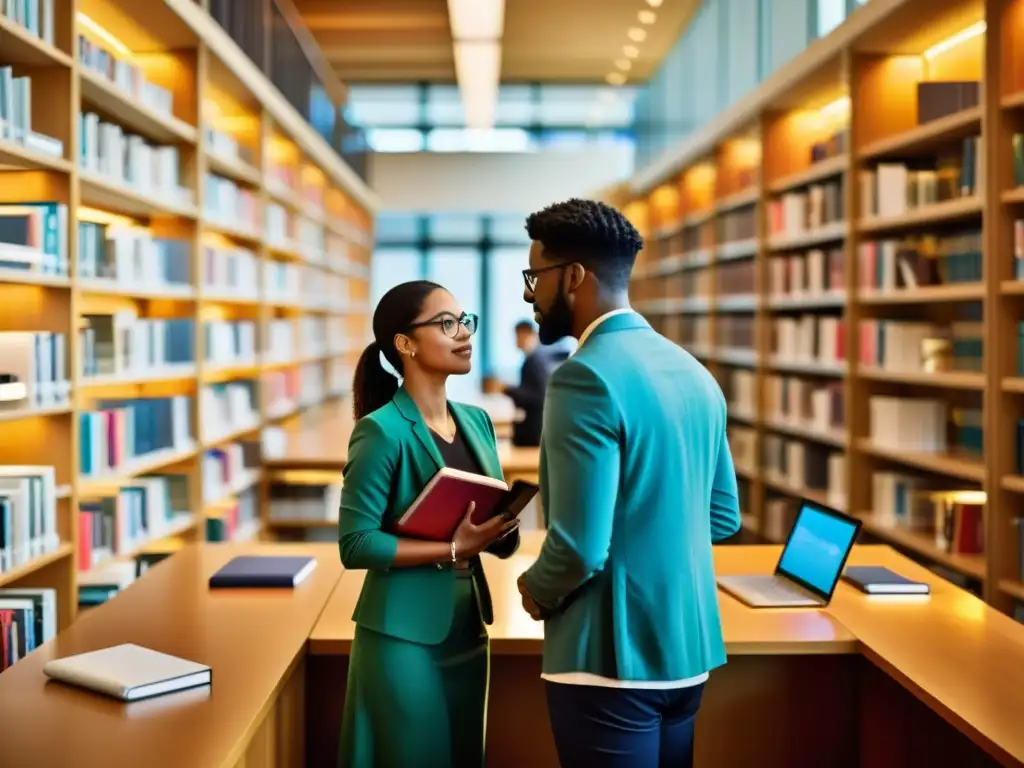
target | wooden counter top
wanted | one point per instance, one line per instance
(514, 632)
(250, 638)
(519, 461)
(962, 658)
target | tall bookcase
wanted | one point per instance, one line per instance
(841, 249)
(276, 233)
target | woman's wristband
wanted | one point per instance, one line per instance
(455, 557)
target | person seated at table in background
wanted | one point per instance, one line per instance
(637, 481)
(528, 396)
(419, 665)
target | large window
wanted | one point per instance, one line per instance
(391, 266)
(430, 117)
(506, 308)
(728, 49)
(480, 259)
(459, 270)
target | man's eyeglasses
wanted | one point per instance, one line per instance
(530, 275)
(450, 324)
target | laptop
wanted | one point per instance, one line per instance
(810, 566)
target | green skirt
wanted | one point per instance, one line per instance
(418, 706)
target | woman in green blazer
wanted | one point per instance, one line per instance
(418, 670)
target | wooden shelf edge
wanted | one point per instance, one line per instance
(950, 127)
(969, 469)
(823, 169)
(107, 97)
(12, 575)
(948, 210)
(947, 379)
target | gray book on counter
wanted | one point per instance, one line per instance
(128, 672)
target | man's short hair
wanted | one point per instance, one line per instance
(592, 233)
(526, 326)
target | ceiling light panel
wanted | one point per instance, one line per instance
(636, 34)
(478, 70)
(476, 19)
(647, 17)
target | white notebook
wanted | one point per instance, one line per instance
(129, 672)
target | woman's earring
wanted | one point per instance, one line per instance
(413, 353)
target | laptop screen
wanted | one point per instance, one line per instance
(817, 548)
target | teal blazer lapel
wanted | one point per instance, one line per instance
(408, 409)
(480, 443)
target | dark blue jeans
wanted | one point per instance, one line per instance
(598, 727)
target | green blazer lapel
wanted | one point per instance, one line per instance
(478, 440)
(408, 409)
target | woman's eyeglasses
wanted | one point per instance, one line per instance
(450, 324)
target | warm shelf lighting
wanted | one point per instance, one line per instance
(476, 19)
(836, 108)
(654, 3)
(954, 40)
(477, 69)
(630, 51)
(615, 78)
(636, 34)
(103, 34)
(647, 17)
(476, 27)
(624, 64)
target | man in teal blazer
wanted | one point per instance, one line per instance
(637, 481)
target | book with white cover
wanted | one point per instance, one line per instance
(129, 672)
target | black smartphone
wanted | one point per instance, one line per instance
(518, 496)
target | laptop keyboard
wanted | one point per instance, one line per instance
(775, 591)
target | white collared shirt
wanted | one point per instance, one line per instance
(586, 678)
(590, 328)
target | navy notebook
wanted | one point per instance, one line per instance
(263, 571)
(878, 580)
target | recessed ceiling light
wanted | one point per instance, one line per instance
(647, 17)
(654, 3)
(615, 78)
(637, 35)
(623, 64)
(630, 51)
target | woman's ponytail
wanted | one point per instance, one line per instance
(372, 385)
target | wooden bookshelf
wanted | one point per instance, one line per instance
(861, 85)
(225, 119)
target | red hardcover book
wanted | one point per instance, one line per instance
(441, 505)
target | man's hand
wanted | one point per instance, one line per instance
(528, 603)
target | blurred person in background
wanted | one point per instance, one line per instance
(528, 396)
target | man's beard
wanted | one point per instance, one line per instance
(556, 323)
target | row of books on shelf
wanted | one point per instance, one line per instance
(16, 115)
(28, 514)
(818, 340)
(28, 618)
(893, 189)
(122, 344)
(920, 261)
(120, 437)
(125, 75)
(911, 347)
(305, 502)
(130, 160)
(34, 237)
(806, 210)
(812, 273)
(33, 367)
(950, 518)
(924, 425)
(799, 466)
(225, 146)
